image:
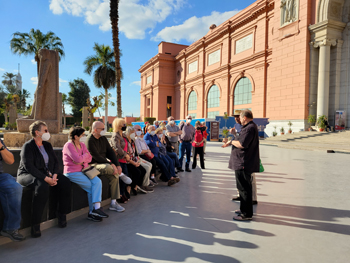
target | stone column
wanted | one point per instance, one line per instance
(337, 77)
(323, 77)
(314, 56)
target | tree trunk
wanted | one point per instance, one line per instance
(64, 117)
(114, 16)
(5, 115)
(106, 109)
(91, 121)
(36, 58)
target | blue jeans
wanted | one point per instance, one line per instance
(92, 187)
(188, 147)
(162, 167)
(10, 198)
(169, 164)
(175, 159)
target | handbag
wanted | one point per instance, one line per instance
(149, 155)
(261, 169)
(91, 172)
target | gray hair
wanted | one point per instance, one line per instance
(150, 126)
(246, 113)
(36, 126)
(129, 130)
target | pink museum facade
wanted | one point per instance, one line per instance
(283, 59)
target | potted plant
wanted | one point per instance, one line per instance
(290, 127)
(321, 122)
(311, 119)
(282, 130)
(6, 125)
(274, 133)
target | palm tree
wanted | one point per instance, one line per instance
(23, 96)
(114, 16)
(104, 75)
(30, 44)
(9, 79)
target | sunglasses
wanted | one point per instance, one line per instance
(46, 131)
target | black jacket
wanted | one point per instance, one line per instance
(32, 162)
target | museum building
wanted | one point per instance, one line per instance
(283, 59)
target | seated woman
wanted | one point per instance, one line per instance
(144, 152)
(76, 157)
(119, 143)
(135, 166)
(170, 149)
(38, 169)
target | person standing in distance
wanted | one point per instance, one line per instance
(186, 139)
(244, 160)
(173, 132)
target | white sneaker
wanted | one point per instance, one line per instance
(125, 179)
(116, 207)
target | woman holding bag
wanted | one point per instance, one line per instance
(76, 158)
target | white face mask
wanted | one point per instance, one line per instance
(188, 120)
(132, 136)
(82, 139)
(153, 133)
(103, 133)
(172, 122)
(138, 133)
(45, 136)
(164, 132)
(160, 135)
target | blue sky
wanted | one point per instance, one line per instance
(81, 23)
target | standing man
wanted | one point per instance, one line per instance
(173, 132)
(100, 150)
(10, 198)
(244, 160)
(186, 139)
(156, 124)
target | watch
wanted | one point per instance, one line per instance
(2, 148)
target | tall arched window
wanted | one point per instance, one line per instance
(214, 97)
(243, 92)
(192, 101)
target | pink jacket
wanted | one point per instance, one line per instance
(72, 155)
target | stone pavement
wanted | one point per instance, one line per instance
(303, 215)
(339, 142)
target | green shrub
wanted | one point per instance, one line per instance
(150, 120)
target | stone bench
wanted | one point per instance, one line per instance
(79, 196)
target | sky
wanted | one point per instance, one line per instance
(143, 25)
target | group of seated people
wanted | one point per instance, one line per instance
(128, 160)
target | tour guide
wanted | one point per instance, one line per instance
(244, 160)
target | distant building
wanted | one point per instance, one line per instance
(282, 59)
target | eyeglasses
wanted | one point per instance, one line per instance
(100, 128)
(171, 119)
(46, 131)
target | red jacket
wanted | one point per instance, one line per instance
(198, 137)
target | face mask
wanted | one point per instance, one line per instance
(138, 133)
(188, 120)
(82, 139)
(103, 133)
(45, 136)
(164, 132)
(160, 135)
(132, 136)
(172, 122)
(153, 133)
(124, 128)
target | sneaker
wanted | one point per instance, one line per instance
(13, 234)
(242, 217)
(188, 170)
(151, 184)
(238, 212)
(99, 213)
(94, 218)
(116, 207)
(179, 169)
(125, 179)
(148, 189)
(141, 189)
(154, 181)
(176, 179)
(171, 182)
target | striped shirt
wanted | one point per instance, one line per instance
(140, 145)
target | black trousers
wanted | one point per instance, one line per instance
(244, 186)
(198, 150)
(60, 193)
(136, 174)
(152, 161)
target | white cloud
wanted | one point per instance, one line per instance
(33, 61)
(193, 28)
(134, 17)
(137, 83)
(1, 69)
(34, 80)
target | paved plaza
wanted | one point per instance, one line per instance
(303, 215)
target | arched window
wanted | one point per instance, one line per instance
(243, 92)
(214, 97)
(192, 101)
